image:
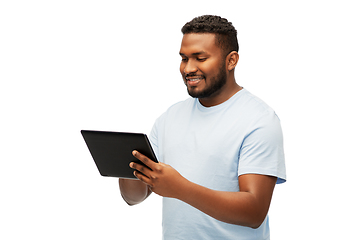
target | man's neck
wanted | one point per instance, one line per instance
(222, 96)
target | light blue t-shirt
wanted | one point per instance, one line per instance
(212, 147)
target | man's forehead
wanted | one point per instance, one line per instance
(198, 43)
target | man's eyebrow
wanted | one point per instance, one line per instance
(194, 54)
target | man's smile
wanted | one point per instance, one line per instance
(194, 80)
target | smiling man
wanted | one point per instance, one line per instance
(220, 152)
(204, 72)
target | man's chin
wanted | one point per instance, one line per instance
(194, 93)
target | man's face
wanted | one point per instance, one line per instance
(203, 65)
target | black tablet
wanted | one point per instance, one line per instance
(112, 151)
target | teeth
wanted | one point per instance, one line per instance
(194, 79)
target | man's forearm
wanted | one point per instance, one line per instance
(241, 208)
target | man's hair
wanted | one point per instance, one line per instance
(225, 32)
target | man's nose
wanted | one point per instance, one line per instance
(190, 67)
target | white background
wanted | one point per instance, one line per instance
(113, 65)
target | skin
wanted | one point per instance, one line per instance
(202, 57)
(204, 61)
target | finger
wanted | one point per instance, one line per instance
(140, 168)
(143, 178)
(147, 161)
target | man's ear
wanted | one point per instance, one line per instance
(232, 60)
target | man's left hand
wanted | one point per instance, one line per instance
(161, 178)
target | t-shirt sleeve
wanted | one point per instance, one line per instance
(262, 149)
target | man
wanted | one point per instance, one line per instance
(220, 152)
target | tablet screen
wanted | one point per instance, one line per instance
(112, 151)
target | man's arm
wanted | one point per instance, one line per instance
(248, 207)
(133, 191)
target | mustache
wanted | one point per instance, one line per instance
(193, 75)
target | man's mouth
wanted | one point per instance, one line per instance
(193, 80)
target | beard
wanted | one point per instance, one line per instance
(216, 83)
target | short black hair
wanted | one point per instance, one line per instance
(225, 32)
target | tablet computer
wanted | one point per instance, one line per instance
(112, 151)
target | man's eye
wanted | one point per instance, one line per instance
(184, 59)
(201, 59)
